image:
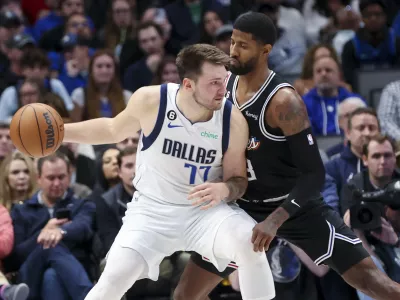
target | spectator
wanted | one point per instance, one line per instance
(306, 82)
(166, 72)
(103, 96)
(107, 171)
(374, 45)
(322, 102)
(222, 39)
(34, 65)
(50, 40)
(150, 37)
(389, 110)
(210, 23)
(7, 291)
(120, 26)
(16, 46)
(17, 179)
(379, 158)
(345, 109)
(51, 250)
(75, 70)
(10, 25)
(349, 22)
(159, 16)
(53, 19)
(30, 91)
(129, 142)
(286, 57)
(76, 23)
(6, 145)
(56, 102)
(363, 125)
(111, 206)
(319, 16)
(83, 163)
(80, 191)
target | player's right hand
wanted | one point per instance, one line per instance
(211, 193)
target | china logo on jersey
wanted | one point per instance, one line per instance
(253, 143)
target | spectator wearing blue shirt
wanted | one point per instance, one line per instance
(103, 96)
(34, 65)
(322, 101)
(374, 46)
(74, 72)
(48, 22)
(48, 242)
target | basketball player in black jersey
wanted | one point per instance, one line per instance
(285, 174)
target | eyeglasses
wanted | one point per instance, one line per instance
(79, 24)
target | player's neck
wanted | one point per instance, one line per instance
(192, 111)
(255, 79)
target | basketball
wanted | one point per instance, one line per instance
(37, 130)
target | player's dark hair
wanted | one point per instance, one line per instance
(125, 152)
(380, 139)
(258, 25)
(362, 111)
(190, 59)
(52, 158)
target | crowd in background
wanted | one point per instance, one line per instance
(59, 215)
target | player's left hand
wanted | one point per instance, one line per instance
(208, 192)
(263, 234)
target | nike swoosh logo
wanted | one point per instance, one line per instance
(294, 202)
(173, 126)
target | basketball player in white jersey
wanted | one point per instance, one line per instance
(190, 163)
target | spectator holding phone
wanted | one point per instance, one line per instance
(53, 231)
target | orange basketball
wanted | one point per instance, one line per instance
(37, 130)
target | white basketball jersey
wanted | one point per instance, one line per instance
(178, 155)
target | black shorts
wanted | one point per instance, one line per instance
(319, 231)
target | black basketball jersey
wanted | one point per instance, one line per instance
(271, 172)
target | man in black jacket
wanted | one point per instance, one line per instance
(379, 158)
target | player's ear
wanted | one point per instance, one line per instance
(187, 83)
(267, 49)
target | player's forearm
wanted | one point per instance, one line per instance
(237, 186)
(95, 132)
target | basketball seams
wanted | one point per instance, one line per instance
(19, 131)
(58, 129)
(40, 134)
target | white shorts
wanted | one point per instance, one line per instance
(157, 230)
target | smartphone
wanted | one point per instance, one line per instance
(63, 213)
(160, 15)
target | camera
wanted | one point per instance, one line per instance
(367, 212)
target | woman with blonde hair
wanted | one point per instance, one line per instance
(17, 179)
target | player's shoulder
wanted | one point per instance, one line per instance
(146, 97)
(286, 96)
(238, 121)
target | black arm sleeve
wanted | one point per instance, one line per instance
(306, 157)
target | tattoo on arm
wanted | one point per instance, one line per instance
(291, 114)
(278, 217)
(237, 185)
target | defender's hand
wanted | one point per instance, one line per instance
(210, 192)
(263, 234)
